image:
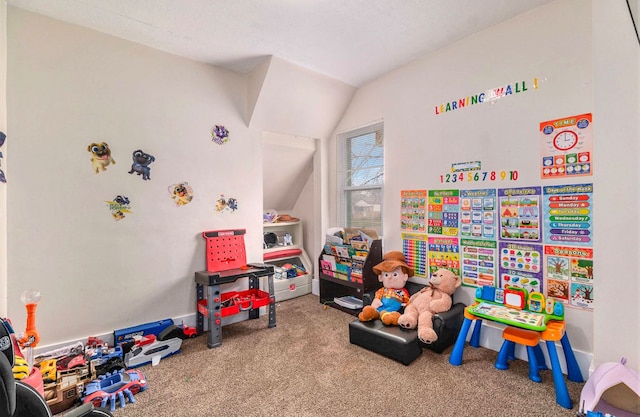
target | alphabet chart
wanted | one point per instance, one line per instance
(413, 209)
(444, 252)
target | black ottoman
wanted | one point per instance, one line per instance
(403, 345)
(391, 341)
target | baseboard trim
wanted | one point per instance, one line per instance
(491, 338)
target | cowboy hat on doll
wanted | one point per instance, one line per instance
(393, 272)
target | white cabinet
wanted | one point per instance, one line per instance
(284, 250)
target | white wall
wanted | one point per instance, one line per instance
(616, 76)
(420, 145)
(69, 87)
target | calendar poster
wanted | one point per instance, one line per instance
(478, 213)
(479, 262)
(443, 211)
(413, 210)
(567, 147)
(414, 249)
(520, 211)
(521, 266)
(568, 215)
(569, 275)
(444, 252)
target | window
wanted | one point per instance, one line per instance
(361, 177)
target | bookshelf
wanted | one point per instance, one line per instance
(288, 249)
(352, 274)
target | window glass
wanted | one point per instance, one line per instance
(361, 177)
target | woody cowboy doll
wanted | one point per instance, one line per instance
(393, 272)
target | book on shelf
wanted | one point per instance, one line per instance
(349, 301)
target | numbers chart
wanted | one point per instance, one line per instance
(414, 249)
(443, 209)
(479, 176)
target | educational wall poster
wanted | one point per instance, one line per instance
(479, 262)
(521, 265)
(567, 147)
(568, 214)
(444, 252)
(413, 209)
(478, 213)
(443, 208)
(414, 249)
(520, 213)
(569, 275)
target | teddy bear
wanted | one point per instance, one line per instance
(393, 272)
(432, 299)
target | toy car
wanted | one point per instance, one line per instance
(110, 388)
(189, 331)
(48, 369)
(70, 362)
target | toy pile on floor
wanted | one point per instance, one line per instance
(94, 371)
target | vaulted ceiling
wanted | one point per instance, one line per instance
(353, 41)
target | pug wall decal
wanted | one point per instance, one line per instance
(100, 156)
(226, 204)
(181, 193)
(141, 162)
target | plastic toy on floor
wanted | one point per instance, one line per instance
(111, 388)
(613, 389)
(150, 349)
(18, 399)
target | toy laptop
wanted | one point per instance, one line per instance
(515, 306)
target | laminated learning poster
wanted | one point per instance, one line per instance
(478, 213)
(444, 252)
(414, 249)
(413, 210)
(567, 147)
(520, 214)
(444, 207)
(521, 265)
(569, 275)
(479, 262)
(568, 214)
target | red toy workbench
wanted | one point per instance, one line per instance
(226, 263)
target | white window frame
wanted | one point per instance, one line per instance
(342, 176)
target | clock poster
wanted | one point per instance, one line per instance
(567, 147)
